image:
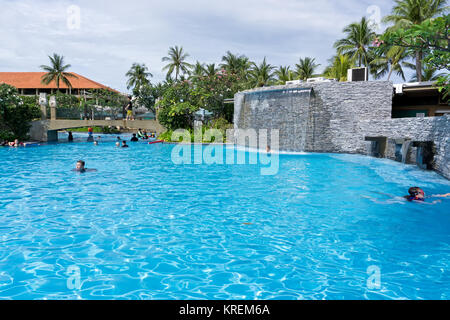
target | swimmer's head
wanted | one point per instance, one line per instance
(95, 143)
(117, 144)
(124, 143)
(80, 165)
(416, 192)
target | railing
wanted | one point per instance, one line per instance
(85, 113)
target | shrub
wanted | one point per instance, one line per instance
(16, 113)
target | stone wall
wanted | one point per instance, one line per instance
(327, 122)
(431, 129)
(338, 117)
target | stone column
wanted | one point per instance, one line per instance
(52, 103)
(43, 105)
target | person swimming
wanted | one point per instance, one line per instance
(124, 144)
(417, 194)
(80, 167)
(70, 138)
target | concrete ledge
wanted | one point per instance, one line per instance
(46, 130)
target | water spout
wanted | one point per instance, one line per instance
(405, 148)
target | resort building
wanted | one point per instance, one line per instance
(30, 83)
(419, 99)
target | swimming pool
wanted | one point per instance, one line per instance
(144, 228)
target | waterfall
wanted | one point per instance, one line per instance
(286, 110)
(405, 149)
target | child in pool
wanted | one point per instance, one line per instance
(417, 194)
(80, 167)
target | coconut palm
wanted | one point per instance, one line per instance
(428, 74)
(359, 36)
(392, 60)
(138, 76)
(57, 72)
(177, 62)
(261, 75)
(339, 66)
(198, 70)
(230, 62)
(284, 74)
(237, 64)
(211, 69)
(306, 68)
(413, 12)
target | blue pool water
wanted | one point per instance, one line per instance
(144, 228)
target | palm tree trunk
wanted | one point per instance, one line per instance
(390, 73)
(419, 55)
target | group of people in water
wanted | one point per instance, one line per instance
(141, 134)
(14, 144)
(144, 136)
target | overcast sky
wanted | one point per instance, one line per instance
(111, 35)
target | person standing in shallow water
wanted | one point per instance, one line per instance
(90, 135)
(70, 136)
(134, 138)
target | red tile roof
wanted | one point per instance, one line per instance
(32, 80)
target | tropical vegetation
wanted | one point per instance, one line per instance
(16, 114)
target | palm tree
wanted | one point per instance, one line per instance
(428, 74)
(261, 75)
(339, 66)
(359, 37)
(177, 62)
(198, 70)
(211, 70)
(392, 59)
(284, 74)
(237, 64)
(306, 68)
(57, 72)
(413, 12)
(230, 62)
(138, 76)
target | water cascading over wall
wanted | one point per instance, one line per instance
(315, 117)
(255, 110)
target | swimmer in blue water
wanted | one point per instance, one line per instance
(417, 194)
(80, 167)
